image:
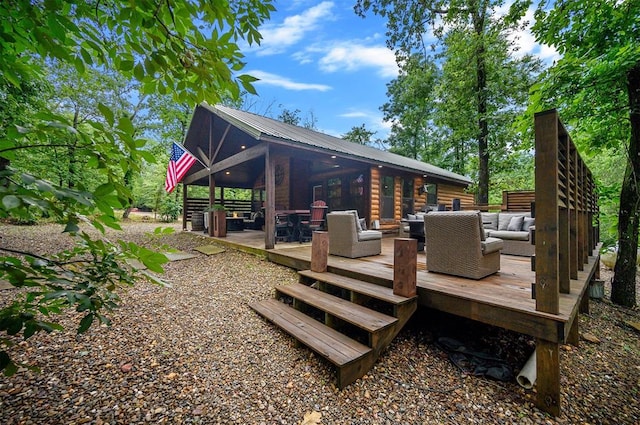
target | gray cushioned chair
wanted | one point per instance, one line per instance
(456, 245)
(348, 239)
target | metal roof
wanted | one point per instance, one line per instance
(268, 129)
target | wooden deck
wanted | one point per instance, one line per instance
(503, 299)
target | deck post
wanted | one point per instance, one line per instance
(547, 128)
(319, 251)
(184, 207)
(270, 193)
(548, 376)
(405, 266)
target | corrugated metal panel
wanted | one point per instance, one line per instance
(262, 127)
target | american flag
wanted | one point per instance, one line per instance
(179, 163)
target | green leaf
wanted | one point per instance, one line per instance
(85, 323)
(11, 201)
(30, 329)
(71, 227)
(103, 190)
(126, 125)
(107, 113)
(138, 72)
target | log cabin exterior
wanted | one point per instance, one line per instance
(288, 167)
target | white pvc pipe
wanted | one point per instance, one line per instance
(527, 376)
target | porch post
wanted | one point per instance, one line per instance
(212, 180)
(184, 207)
(270, 208)
(547, 286)
(212, 200)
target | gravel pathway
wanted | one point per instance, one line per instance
(196, 353)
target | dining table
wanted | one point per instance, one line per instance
(292, 219)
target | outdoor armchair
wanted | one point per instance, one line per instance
(348, 239)
(456, 245)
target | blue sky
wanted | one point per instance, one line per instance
(320, 57)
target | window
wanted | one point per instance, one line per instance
(407, 197)
(432, 194)
(334, 196)
(387, 204)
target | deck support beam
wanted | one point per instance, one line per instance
(548, 376)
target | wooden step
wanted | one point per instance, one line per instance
(352, 358)
(372, 290)
(362, 317)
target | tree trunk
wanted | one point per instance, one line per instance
(623, 286)
(128, 176)
(483, 126)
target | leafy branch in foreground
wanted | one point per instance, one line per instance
(158, 46)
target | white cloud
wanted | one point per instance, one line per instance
(354, 114)
(348, 56)
(276, 38)
(284, 82)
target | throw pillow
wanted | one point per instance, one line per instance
(363, 224)
(515, 224)
(528, 222)
(411, 216)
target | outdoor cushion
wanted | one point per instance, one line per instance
(369, 235)
(505, 218)
(363, 223)
(490, 221)
(528, 222)
(411, 216)
(483, 235)
(508, 234)
(354, 213)
(515, 224)
(491, 245)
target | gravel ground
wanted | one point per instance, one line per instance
(196, 353)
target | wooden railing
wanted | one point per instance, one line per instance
(240, 206)
(566, 212)
(517, 200)
(566, 237)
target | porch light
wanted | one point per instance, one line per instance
(243, 147)
(227, 172)
(333, 157)
(379, 166)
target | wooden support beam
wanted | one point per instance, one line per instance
(548, 376)
(270, 194)
(237, 159)
(184, 207)
(547, 204)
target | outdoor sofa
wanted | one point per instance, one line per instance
(514, 228)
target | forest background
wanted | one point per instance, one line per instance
(93, 96)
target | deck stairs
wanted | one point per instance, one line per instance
(347, 321)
